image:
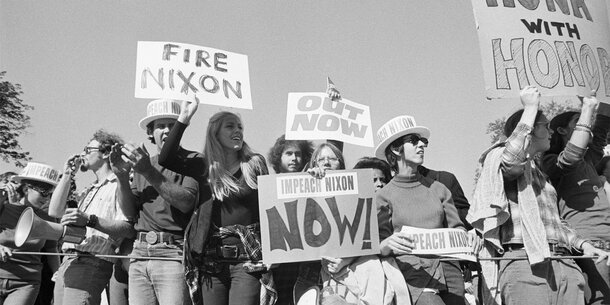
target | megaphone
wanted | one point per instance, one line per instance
(31, 227)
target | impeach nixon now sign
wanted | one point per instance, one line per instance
(561, 47)
(303, 218)
(453, 243)
(180, 71)
(314, 116)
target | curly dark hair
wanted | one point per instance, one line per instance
(106, 139)
(376, 163)
(275, 153)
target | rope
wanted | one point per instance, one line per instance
(180, 258)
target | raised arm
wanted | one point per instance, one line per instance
(515, 152)
(174, 158)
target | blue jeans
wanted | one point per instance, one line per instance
(81, 280)
(157, 281)
(558, 282)
(18, 292)
(232, 286)
(454, 281)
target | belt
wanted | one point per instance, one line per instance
(153, 237)
(600, 244)
(553, 248)
(234, 252)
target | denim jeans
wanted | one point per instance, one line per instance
(118, 289)
(81, 280)
(18, 292)
(157, 281)
(232, 286)
(558, 282)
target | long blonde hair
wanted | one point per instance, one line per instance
(222, 182)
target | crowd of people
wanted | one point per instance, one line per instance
(183, 227)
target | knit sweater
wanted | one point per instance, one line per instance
(417, 202)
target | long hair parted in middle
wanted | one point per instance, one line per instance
(222, 182)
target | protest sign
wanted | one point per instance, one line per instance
(304, 218)
(453, 243)
(561, 47)
(180, 71)
(314, 116)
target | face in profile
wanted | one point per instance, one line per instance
(230, 135)
(413, 148)
(541, 135)
(92, 157)
(291, 159)
(327, 160)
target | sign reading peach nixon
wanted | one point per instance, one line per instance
(180, 71)
(450, 243)
(304, 218)
(561, 47)
(314, 116)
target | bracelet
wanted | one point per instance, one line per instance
(582, 128)
(587, 126)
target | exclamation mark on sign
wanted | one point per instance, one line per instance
(366, 239)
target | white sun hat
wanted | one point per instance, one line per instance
(38, 172)
(396, 128)
(160, 109)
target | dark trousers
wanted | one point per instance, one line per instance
(597, 276)
(455, 284)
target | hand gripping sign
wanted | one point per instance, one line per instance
(304, 218)
(314, 116)
(453, 243)
(178, 71)
(560, 47)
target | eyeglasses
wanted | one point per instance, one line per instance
(414, 139)
(44, 192)
(89, 149)
(327, 159)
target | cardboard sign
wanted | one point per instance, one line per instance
(304, 218)
(180, 71)
(452, 243)
(561, 47)
(314, 116)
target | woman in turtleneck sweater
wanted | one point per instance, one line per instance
(412, 200)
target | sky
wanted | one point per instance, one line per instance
(76, 63)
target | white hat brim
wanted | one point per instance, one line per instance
(145, 121)
(420, 130)
(19, 178)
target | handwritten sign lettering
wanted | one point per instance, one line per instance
(561, 47)
(314, 116)
(303, 219)
(180, 71)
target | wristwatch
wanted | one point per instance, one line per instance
(92, 222)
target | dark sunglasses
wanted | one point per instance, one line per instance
(44, 192)
(414, 139)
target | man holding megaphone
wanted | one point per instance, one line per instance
(82, 278)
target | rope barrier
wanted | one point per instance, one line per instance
(180, 258)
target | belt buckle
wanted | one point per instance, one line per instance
(151, 237)
(230, 251)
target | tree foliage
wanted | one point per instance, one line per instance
(495, 129)
(13, 122)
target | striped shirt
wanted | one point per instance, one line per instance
(514, 162)
(101, 200)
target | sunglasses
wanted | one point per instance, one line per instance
(414, 139)
(44, 192)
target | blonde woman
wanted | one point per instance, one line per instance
(223, 237)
